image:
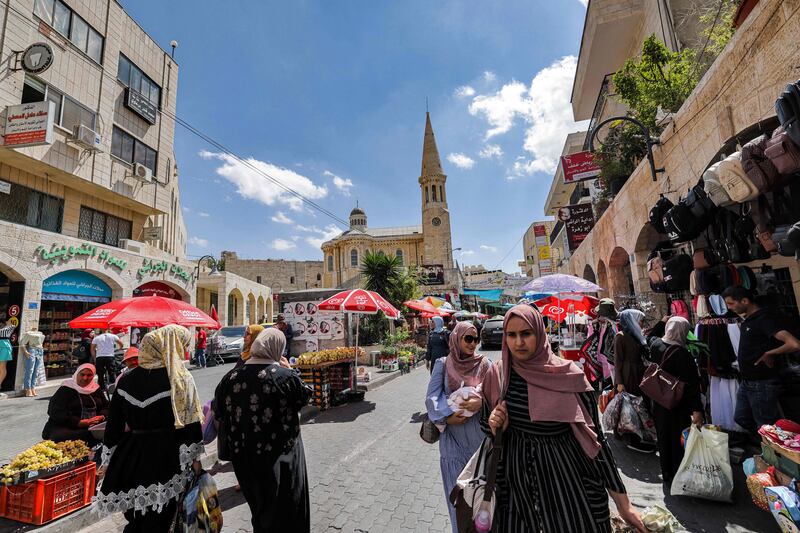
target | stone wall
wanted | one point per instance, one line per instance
(279, 274)
(738, 90)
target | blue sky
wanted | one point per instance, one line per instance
(329, 97)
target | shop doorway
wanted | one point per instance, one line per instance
(65, 296)
(11, 296)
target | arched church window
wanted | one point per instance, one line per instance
(426, 194)
(353, 257)
(330, 263)
(441, 193)
(433, 191)
(399, 255)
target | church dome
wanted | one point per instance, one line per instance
(357, 211)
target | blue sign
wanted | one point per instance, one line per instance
(75, 285)
(33, 305)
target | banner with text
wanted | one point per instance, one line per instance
(579, 221)
(579, 166)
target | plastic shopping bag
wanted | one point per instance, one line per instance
(646, 421)
(200, 510)
(605, 399)
(611, 414)
(705, 471)
(629, 421)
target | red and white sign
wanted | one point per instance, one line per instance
(579, 166)
(156, 288)
(29, 124)
(13, 310)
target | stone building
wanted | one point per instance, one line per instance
(479, 274)
(736, 93)
(428, 246)
(537, 250)
(89, 198)
(280, 274)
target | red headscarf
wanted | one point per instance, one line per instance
(553, 383)
(469, 369)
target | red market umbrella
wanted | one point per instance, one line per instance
(359, 301)
(424, 307)
(144, 311)
(557, 307)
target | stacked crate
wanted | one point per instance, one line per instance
(328, 380)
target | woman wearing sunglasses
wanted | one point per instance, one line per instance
(452, 399)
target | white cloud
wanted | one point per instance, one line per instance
(343, 184)
(461, 160)
(584, 3)
(491, 150)
(203, 214)
(489, 76)
(467, 252)
(544, 106)
(488, 248)
(250, 183)
(512, 177)
(465, 91)
(197, 241)
(282, 244)
(322, 235)
(280, 218)
(187, 209)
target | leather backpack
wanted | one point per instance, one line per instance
(679, 308)
(657, 214)
(735, 180)
(714, 189)
(692, 214)
(759, 168)
(677, 271)
(782, 152)
(787, 107)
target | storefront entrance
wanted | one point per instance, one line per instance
(157, 288)
(65, 296)
(11, 295)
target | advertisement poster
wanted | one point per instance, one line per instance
(312, 325)
(578, 167)
(29, 124)
(579, 220)
(431, 274)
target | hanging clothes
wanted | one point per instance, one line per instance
(605, 348)
(722, 396)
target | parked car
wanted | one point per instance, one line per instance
(228, 342)
(492, 333)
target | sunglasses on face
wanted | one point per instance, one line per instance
(469, 339)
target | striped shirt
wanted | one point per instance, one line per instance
(5, 332)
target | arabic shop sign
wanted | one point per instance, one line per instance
(64, 253)
(29, 124)
(152, 267)
(579, 220)
(578, 167)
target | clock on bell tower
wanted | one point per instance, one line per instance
(437, 240)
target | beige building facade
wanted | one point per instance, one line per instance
(539, 259)
(280, 274)
(737, 91)
(89, 198)
(239, 301)
(428, 246)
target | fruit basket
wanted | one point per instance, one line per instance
(43, 460)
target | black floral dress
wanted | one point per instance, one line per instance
(257, 406)
(545, 481)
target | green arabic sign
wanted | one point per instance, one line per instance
(152, 267)
(64, 253)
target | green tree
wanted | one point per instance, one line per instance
(385, 275)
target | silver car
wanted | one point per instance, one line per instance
(228, 342)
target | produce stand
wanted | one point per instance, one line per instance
(328, 380)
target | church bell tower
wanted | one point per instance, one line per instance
(438, 246)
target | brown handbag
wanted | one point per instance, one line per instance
(660, 386)
(782, 152)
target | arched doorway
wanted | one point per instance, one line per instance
(620, 275)
(158, 288)
(588, 273)
(602, 275)
(251, 309)
(12, 295)
(235, 308)
(260, 315)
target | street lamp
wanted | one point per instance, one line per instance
(214, 270)
(649, 140)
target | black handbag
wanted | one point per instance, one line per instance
(428, 430)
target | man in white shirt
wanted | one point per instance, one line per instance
(103, 347)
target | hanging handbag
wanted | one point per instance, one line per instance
(660, 386)
(787, 107)
(782, 152)
(474, 490)
(428, 430)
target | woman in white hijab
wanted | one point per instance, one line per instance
(670, 352)
(76, 405)
(257, 406)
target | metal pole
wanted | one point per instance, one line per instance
(650, 141)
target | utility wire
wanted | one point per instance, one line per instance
(195, 131)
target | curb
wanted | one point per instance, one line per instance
(394, 375)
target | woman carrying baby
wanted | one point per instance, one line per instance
(452, 399)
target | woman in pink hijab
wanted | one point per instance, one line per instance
(457, 414)
(556, 471)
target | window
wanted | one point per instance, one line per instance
(426, 194)
(100, 227)
(291, 280)
(66, 22)
(319, 277)
(399, 255)
(32, 208)
(330, 263)
(441, 193)
(133, 77)
(354, 258)
(433, 192)
(68, 112)
(130, 149)
(258, 279)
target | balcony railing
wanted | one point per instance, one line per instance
(598, 109)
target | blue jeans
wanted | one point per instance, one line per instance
(200, 356)
(757, 403)
(32, 364)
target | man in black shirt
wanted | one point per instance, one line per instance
(762, 342)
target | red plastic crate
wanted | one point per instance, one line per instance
(44, 500)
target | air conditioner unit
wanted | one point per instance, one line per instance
(142, 173)
(133, 246)
(86, 137)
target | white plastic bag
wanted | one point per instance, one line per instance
(705, 470)
(458, 397)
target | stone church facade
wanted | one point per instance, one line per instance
(428, 246)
